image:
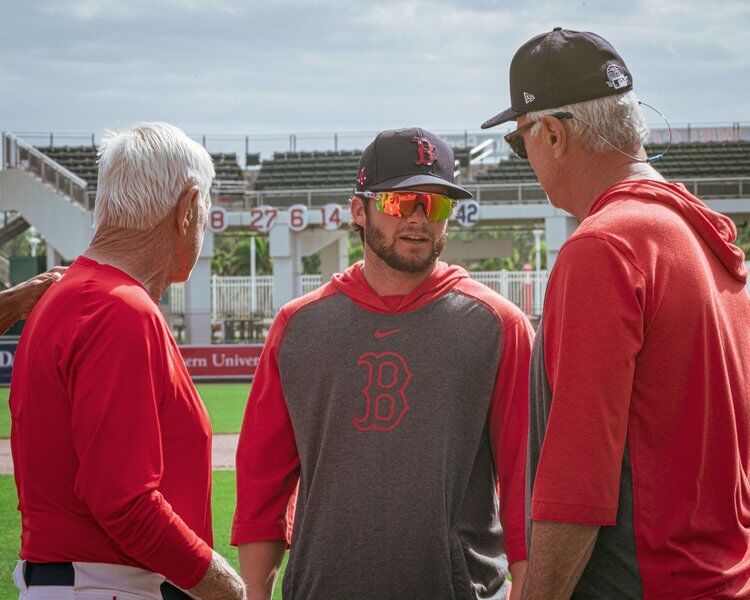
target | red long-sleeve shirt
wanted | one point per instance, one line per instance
(111, 442)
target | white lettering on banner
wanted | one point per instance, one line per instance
(6, 359)
(196, 361)
(224, 360)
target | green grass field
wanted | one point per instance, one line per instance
(10, 527)
(225, 403)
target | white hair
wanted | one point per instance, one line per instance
(143, 169)
(617, 119)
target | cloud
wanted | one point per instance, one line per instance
(244, 67)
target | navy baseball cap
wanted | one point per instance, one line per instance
(562, 67)
(407, 158)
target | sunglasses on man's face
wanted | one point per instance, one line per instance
(515, 138)
(402, 204)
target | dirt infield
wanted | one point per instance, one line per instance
(223, 453)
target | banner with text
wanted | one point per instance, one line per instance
(222, 361)
(203, 362)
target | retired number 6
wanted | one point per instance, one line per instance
(299, 218)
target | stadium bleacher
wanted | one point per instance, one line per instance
(337, 169)
(308, 170)
(226, 166)
(682, 161)
(712, 159)
(79, 160)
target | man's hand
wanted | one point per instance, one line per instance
(559, 552)
(220, 582)
(518, 577)
(18, 302)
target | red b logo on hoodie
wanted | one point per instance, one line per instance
(384, 392)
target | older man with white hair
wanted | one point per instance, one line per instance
(111, 442)
(639, 448)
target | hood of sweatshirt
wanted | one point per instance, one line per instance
(717, 230)
(443, 278)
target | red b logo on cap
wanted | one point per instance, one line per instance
(425, 151)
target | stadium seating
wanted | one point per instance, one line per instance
(309, 170)
(81, 160)
(510, 170)
(698, 160)
(682, 161)
(338, 169)
(226, 167)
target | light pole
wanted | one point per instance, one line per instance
(253, 286)
(538, 276)
(34, 243)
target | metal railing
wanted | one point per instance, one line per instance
(4, 270)
(309, 283)
(707, 188)
(18, 154)
(267, 144)
(231, 297)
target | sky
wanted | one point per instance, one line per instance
(230, 67)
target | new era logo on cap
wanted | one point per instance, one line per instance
(528, 98)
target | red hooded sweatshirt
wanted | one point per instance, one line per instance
(404, 423)
(640, 392)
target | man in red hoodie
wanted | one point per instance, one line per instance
(639, 448)
(396, 398)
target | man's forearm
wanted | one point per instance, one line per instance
(559, 553)
(260, 563)
(220, 582)
(518, 576)
(9, 310)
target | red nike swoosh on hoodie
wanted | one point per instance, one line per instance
(379, 335)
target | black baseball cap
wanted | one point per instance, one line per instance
(562, 67)
(406, 158)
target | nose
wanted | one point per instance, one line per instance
(419, 216)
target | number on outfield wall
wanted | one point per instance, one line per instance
(467, 214)
(263, 218)
(218, 219)
(331, 216)
(299, 218)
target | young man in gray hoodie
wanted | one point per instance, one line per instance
(396, 397)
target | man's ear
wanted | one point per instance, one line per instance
(187, 209)
(358, 210)
(554, 135)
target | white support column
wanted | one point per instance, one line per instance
(198, 296)
(334, 258)
(287, 265)
(557, 230)
(53, 257)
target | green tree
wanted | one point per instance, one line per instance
(524, 250)
(232, 255)
(743, 237)
(19, 245)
